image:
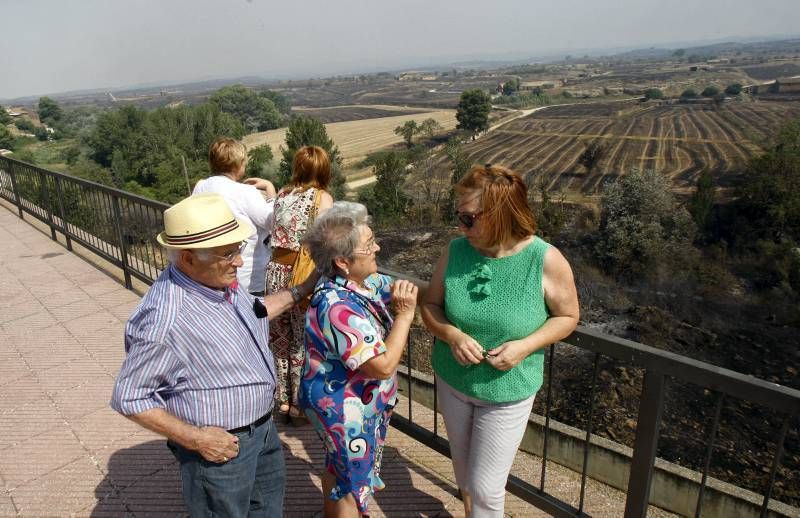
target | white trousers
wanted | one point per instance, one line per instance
(484, 438)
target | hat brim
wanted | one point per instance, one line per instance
(239, 234)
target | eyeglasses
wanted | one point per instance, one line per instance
(371, 248)
(231, 256)
(467, 219)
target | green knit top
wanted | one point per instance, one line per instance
(493, 300)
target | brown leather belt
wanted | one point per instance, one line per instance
(284, 256)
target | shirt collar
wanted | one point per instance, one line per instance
(184, 281)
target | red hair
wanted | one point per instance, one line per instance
(504, 203)
(311, 167)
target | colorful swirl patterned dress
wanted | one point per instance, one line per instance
(345, 327)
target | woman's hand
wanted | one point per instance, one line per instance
(507, 356)
(404, 297)
(466, 350)
(265, 186)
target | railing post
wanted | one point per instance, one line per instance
(62, 212)
(648, 426)
(13, 174)
(46, 201)
(123, 249)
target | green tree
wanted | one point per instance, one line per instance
(407, 130)
(257, 160)
(701, 203)
(49, 111)
(41, 133)
(769, 193)
(641, 227)
(511, 87)
(653, 93)
(710, 91)
(592, 155)
(473, 111)
(308, 131)
(430, 127)
(6, 138)
(5, 118)
(147, 152)
(24, 124)
(551, 214)
(733, 89)
(387, 200)
(689, 93)
(281, 102)
(255, 112)
(460, 164)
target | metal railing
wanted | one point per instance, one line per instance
(121, 227)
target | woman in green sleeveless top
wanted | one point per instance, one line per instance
(498, 297)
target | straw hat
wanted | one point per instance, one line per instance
(202, 221)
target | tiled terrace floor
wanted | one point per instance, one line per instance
(64, 452)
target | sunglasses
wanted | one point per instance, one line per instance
(467, 219)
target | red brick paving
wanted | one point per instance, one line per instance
(63, 451)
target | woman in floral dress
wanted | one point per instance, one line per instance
(294, 208)
(353, 347)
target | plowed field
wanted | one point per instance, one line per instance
(677, 140)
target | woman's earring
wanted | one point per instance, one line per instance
(346, 271)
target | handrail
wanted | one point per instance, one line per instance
(120, 227)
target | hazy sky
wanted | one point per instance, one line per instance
(53, 46)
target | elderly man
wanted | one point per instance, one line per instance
(198, 368)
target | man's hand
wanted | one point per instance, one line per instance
(216, 444)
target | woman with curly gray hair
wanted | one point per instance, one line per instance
(353, 345)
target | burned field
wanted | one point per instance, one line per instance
(677, 140)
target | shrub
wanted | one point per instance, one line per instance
(689, 93)
(734, 89)
(641, 227)
(653, 93)
(710, 91)
(24, 125)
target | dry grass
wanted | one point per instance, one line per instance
(356, 139)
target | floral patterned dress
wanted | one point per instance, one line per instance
(345, 327)
(293, 208)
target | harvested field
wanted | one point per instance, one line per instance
(356, 112)
(358, 138)
(677, 140)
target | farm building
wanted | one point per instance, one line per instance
(788, 85)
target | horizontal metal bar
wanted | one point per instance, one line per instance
(742, 386)
(88, 183)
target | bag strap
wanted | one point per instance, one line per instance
(312, 215)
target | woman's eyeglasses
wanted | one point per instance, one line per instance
(231, 256)
(467, 219)
(370, 248)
